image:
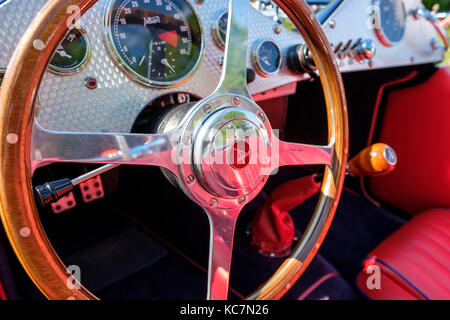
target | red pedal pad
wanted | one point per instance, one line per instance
(92, 189)
(65, 203)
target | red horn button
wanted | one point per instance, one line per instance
(239, 155)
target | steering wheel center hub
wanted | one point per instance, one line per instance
(231, 152)
(239, 155)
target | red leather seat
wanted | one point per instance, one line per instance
(414, 262)
(416, 125)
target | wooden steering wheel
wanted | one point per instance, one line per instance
(186, 147)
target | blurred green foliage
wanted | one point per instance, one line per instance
(444, 4)
(288, 24)
(447, 56)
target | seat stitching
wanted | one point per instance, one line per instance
(422, 270)
(433, 239)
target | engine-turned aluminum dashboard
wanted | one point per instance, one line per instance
(66, 104)
(353, 20)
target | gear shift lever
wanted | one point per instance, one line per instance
(376, 160)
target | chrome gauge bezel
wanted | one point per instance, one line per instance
(255, 57)
(2, 74)
(215, 28)
(79, 67)
(378, 28)
(114, 53)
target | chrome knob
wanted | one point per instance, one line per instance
(300, 60)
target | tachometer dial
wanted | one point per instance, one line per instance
(389, 19)
(157, 42)
(266, 57)
(72, 54)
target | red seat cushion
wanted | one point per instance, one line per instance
(414, 261)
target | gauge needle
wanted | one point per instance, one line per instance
(142, 60)
(150, 58)
(63, 54)
(265, 61)
(166, 63)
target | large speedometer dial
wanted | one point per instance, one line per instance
(389, 21)
(157, 42)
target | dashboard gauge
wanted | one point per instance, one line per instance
(266, 57)
(220, 27)
(389, 18)
(158, 42)
(2, 74)
(72, 54)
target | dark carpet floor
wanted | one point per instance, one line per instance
(128, 245)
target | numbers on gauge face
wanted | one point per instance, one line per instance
(158, 41)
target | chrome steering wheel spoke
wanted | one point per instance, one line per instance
(49, 147)
(222, 227)
(234, 74)
(291, 154)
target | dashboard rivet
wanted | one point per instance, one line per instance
(236, 100)
(213, 202)
(91, 83)
(332, 24)
(434, 44)
(207, 108)
(190, 180)
(261, 115)
(242, 200)
(277, 29)
(187, 139)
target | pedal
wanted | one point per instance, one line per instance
(92, 189)
(65, 203)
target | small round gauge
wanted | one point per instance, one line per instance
(72, 54)
(389, 18)
(158, 42)
(266, 57)
(2, 74)
(220, 27)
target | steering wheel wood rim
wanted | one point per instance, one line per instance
(17, 207)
